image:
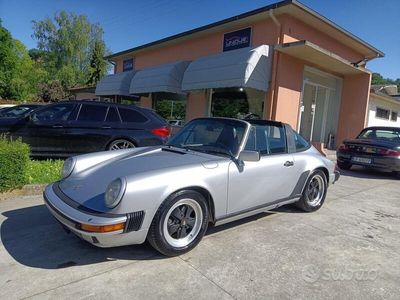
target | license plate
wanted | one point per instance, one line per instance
(362, 160)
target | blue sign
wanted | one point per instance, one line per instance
(127, 65)
(237, 39)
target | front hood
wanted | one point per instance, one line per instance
(88, 186)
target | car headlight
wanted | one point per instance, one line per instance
(68, 167)
(114, 192)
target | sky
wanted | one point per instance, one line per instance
(132, 23)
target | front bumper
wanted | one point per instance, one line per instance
(71, 219)
(383, 162)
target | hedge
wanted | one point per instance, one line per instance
(14, 159)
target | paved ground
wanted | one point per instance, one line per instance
(350, 249)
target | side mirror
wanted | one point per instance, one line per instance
(247, 155)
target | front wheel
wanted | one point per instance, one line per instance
(314, 192)
(179, 223)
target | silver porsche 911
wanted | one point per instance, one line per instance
(215, 170)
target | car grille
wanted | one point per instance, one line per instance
(134, 221)
(363, 149)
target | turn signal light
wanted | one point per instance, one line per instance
(163, 132)
(105, 228)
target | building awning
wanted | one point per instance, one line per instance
(247, 67)
(162, 78)
(316, 55)
(115, 84)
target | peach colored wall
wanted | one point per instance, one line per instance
(146, 102)
(354, 105)
(196, 105)
(289, 82)
(263, 32)
(295, 30)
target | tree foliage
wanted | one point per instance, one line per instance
(379, 79)
(19, 74)
(69, 43)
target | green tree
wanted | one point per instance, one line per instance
(67, 41)
(379, 79)
(98, 65)
(19, 74)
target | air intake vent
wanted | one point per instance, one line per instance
(134, 221)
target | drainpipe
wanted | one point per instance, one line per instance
(272, 104)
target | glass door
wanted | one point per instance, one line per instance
(313, 112)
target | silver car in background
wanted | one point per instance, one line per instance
(215, 170)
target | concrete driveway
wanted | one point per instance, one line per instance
(349, 249)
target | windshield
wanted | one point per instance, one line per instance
(14, 112)
(217, 136)
(381, 134)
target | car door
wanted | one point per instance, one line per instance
(88, 132)
(45, 130)
(270, 180)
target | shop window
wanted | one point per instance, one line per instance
(394, 116)
(170, 106)
(382, 113)
(237, 103)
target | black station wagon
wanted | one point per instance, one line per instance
(75, 127)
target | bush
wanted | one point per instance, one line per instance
(14, 159)
(43, 171)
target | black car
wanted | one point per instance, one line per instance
(374, 147)
(18, 111)
(75, 127)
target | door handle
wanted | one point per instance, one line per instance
(106, 127)
(288, 163)
(58, 126)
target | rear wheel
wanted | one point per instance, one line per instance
(314, 192)
(343, 165)
(120, 144)
(179, 224)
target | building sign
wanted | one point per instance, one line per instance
(127, 65)
(237, 39)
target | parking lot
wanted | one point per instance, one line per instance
(349, 249)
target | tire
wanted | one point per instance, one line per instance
(120, 144)
(314, 192)
(179, 223)
(343, 165)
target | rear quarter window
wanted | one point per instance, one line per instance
(131, 116)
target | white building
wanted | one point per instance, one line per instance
(384, 106)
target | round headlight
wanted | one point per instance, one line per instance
(114, 192)
(68, 167)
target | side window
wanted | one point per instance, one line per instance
(112, 115)
(131, 115)
(251, 140)
(59, 112)
(300, 143)
(92, 113)
(276, 139)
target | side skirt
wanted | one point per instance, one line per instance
(253, 211)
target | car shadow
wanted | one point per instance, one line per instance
(35, 239)
(361, 172)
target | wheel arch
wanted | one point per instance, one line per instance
(205, 193)
(326, 172)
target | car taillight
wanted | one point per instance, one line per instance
(163, 132)
(343, 147)
(389, 152)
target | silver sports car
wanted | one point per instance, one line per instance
(215, 170)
